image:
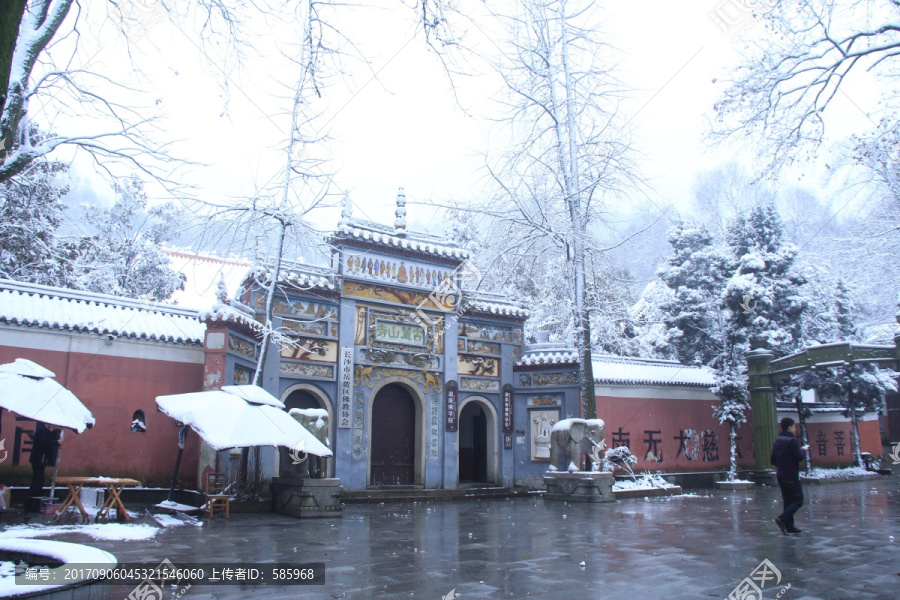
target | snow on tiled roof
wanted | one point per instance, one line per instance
(391, 237)
(548, 354)
(645, 371)
(298, 274)
(306, 276)
(59, 308)
(223, 312)
(493, 304)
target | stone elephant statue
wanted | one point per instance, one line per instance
(571, 439)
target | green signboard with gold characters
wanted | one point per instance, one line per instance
(392, 332)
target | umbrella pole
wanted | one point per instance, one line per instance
(182, 435)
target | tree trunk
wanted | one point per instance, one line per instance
(10, 17)
(588, 396)
(568, 152)
(732, 449)
(854, 420)
(804, 438)
(270, 299)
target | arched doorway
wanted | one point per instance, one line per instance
(472, 444)
(301, 399)
(477, 445)
(304, 398)
(392, 457)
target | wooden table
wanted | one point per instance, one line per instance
(113, 487)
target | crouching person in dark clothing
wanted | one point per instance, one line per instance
(787, 456)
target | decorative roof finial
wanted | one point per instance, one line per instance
(346, 209)
(400, 221)
(222, 290)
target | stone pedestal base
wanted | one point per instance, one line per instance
(307, 498)
(580, 486)
(764, 477)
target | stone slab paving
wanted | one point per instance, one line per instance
(698, 545)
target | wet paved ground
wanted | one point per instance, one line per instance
(694, 546)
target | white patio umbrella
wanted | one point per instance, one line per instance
(237, 416)
(29, 390)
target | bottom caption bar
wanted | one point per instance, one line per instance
(168, 573)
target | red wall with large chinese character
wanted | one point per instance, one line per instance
(831, 444)
(687, 437)
(112, 388)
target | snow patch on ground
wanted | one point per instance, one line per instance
(170, 521)
(98, 531)
(821, 473)
(643, 482)
(170, 505)
(60, 551)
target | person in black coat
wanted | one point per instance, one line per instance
(787, 456)
(43, 453)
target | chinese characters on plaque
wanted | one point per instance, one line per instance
(346, 388)
(508, 410)
(452, 393)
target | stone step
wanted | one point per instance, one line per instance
(410, 494)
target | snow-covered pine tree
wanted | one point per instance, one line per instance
(844, 311)
(763, 300)
(725, 296)
(697, 274)
(765, 294)
(695, 277)
(31, 211)
(648, 322)
(124, 255)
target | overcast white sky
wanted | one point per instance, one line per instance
(407, 129)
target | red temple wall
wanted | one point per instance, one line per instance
(113, 388)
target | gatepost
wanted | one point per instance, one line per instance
(763, 413)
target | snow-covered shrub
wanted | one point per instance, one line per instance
(621, 458)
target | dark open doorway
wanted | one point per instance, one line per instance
(473, 444)
(301, 399)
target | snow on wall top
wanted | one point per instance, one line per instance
(548, 354)
(59, 308)
(223, 312)
(297, 274)
(303, 276)
(645, 371)
(390, 236)
(493, 304)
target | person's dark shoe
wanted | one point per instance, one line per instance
(794, 531)
(781, 526)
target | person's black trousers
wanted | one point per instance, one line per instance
(792, 494)
(37, 482)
